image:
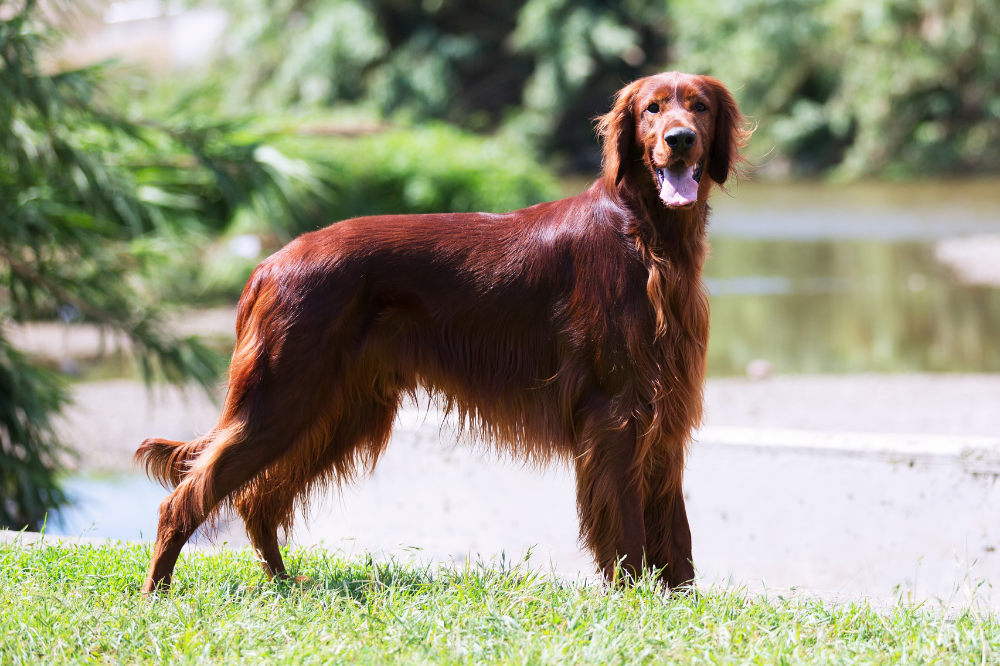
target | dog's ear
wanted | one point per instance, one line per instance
(617, 131)
(730, 134)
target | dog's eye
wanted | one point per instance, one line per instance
(700, 108)
(653, 108)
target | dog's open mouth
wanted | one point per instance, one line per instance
(679, 188)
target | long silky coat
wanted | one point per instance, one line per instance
(575, 329)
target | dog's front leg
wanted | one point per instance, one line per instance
(668, 538)
(609, 500)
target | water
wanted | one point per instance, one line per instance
(845, 279)
(119, 506)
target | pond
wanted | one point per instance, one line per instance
(110, 506)
(819, 278)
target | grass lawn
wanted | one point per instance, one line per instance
(82, 605)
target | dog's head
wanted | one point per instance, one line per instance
(679, 127)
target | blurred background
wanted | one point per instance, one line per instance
(154, 152)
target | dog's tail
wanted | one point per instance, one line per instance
(167, 461)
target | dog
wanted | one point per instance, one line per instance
(574, 330)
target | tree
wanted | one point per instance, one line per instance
(856, 88)
(541, 69)
(82, 192)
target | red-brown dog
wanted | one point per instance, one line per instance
(575, 329)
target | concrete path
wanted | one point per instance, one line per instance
(851, 484)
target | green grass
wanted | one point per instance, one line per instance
(82, 605)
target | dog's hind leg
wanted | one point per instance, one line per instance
(276, 401)
(359, 435)
(263, 508)
(233, 459)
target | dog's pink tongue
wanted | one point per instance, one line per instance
(679, 189)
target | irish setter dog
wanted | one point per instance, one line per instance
(575, 329)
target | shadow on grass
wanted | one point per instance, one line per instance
(362, 578)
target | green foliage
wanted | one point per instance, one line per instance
(81, 604)
(843, 87)
(83, 195)
(433, 169)
(857, 87)
(66, 215)
(583, 52)
(29, 450)
(846, 87)
(542, 68)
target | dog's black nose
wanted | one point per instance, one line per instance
(680, 138)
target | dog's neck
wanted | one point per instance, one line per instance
(672, 245)
(676, 234)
